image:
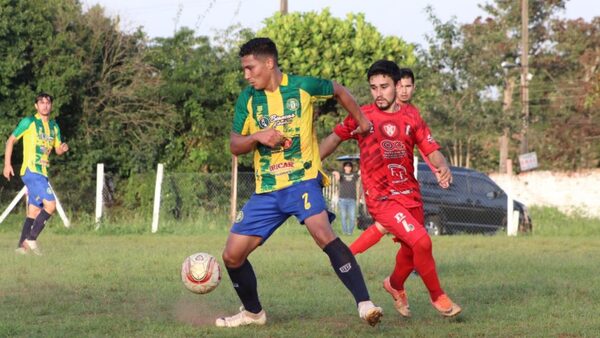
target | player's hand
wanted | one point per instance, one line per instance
(8, 171)
(364, 127)
(64, 147)
(444, 177)
(269, 137)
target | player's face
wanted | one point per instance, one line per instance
(43, 106)
(257, 70)
(405, 88)
(383, 92)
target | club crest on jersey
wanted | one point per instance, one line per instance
(263, 122)
(292, 104)
(389, 128)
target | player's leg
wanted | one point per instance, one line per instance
(425, 266)
(410, 230)
(41, 204)
(257, 220)
(367, 238)
(40, 221)
(32, 212)
(312, 212)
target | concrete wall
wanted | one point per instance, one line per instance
(567, 191)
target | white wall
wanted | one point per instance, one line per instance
(568, 191)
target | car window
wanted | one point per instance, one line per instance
(482, 187)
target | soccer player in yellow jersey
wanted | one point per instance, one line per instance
(274, 120)
(40, 134)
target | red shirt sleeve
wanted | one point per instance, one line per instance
(424, 140)
(344, 129)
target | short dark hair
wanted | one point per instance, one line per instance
(43, 95)
(259, 47)
(348, 164)
(407, 73)
(384, 67)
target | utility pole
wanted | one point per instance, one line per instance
(524, 73)
(283, 7)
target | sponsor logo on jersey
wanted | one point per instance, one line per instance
(398, 173)
(263, 122)
(282, 166)
(430, 139)
(282, 120)
(393, 149)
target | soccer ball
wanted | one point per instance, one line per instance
(200, 273)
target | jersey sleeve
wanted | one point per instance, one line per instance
(22, 127)
(424, 140)
(317, 88)
(344, 129)
(58, 136)
(241, 114)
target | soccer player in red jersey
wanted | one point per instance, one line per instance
(392, 192)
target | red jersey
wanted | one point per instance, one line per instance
(386, 153)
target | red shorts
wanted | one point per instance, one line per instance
(406, 224)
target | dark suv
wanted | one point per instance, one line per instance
(472, 204)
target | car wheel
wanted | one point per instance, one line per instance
(433, 226)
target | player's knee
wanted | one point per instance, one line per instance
(423, 245)
(50, 206)
(232, 260)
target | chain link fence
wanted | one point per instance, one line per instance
(473, 204)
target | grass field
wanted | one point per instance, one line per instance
(91, 284)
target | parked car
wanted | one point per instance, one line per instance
(472, 204)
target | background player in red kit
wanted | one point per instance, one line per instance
(391, 191)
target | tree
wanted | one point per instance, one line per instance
(202, 83)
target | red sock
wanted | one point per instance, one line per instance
(425, 266)
(404, 266)
(367, 239)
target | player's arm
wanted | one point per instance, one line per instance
(8, 169)
(442, 171)
(242, 144)
(329, 145)
(343, 96)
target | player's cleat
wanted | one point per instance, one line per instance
(446, 307)
(400, 299)
(243, 318)
(369, 312)
(32, 245)
(21, 251)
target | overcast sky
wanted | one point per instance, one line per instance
(403, 18)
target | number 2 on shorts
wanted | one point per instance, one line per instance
(306, 202)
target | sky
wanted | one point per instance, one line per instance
(403, 18)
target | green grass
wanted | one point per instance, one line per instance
(93, 284)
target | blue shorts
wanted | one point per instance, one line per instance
(264, 213)
(38, 188)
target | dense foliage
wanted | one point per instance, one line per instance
(130, 102)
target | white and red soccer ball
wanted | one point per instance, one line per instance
(200, 273)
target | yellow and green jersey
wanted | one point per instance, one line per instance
(289, 109)
(39, 138)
